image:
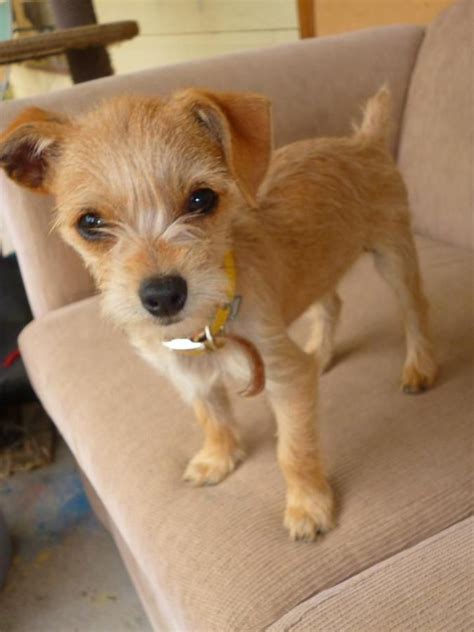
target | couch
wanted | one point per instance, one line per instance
(218, 558)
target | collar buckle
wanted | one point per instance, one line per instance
(234, 307)
(210, 342)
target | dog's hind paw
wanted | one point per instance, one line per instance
(210, 468)
(419, 375)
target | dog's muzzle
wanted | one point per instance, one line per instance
(163, 296)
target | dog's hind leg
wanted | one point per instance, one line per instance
(326, 315)
(397, 261)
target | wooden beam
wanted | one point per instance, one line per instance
(56, 42)
(307, 18)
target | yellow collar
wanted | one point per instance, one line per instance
(206, 340)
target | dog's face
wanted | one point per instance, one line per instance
(147, 191)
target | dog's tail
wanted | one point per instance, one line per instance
(377, 123)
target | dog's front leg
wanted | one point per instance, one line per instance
(221, 451)
(292, 378)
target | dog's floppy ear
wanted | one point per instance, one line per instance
(241, 124)
(30, 146)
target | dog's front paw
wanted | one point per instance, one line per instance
(309, 514)
(210, 468)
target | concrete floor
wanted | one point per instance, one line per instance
(66, 575)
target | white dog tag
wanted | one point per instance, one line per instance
(183, 344)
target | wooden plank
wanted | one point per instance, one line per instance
(339, 16)
(149, 52)
(56, 42)
(174, 17)
(306, 18)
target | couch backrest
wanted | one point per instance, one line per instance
(436, 153)
(317, 87)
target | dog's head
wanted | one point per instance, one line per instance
(147, 191)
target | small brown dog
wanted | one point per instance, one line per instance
(181, 211)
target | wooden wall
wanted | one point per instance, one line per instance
(338, 16)
(179, 30)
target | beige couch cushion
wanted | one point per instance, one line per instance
(218, 558)
(437, 146)
(317, 87)
(427, 587)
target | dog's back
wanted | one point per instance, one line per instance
(325, 200)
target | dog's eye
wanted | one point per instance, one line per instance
(90, 226)
(202, 201)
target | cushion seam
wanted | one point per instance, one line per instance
(388, 561)
(407, 91)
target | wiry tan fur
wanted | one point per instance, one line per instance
(296, 220)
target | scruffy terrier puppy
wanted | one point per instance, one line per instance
(206, 245)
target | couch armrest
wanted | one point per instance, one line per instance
(436, 154)
(317, 87)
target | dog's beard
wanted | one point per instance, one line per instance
(131, 316)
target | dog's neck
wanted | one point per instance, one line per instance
(214, 336)
(210, 338)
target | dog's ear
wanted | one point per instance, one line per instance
(30, 146)
(241, 124)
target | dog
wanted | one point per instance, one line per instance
(206, 244)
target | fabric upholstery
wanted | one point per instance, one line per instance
(155, 606)
(317, 87)
(437, 145)
(218, 558)
(427, 587)
(52, 272)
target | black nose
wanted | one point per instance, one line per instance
(163, 296)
